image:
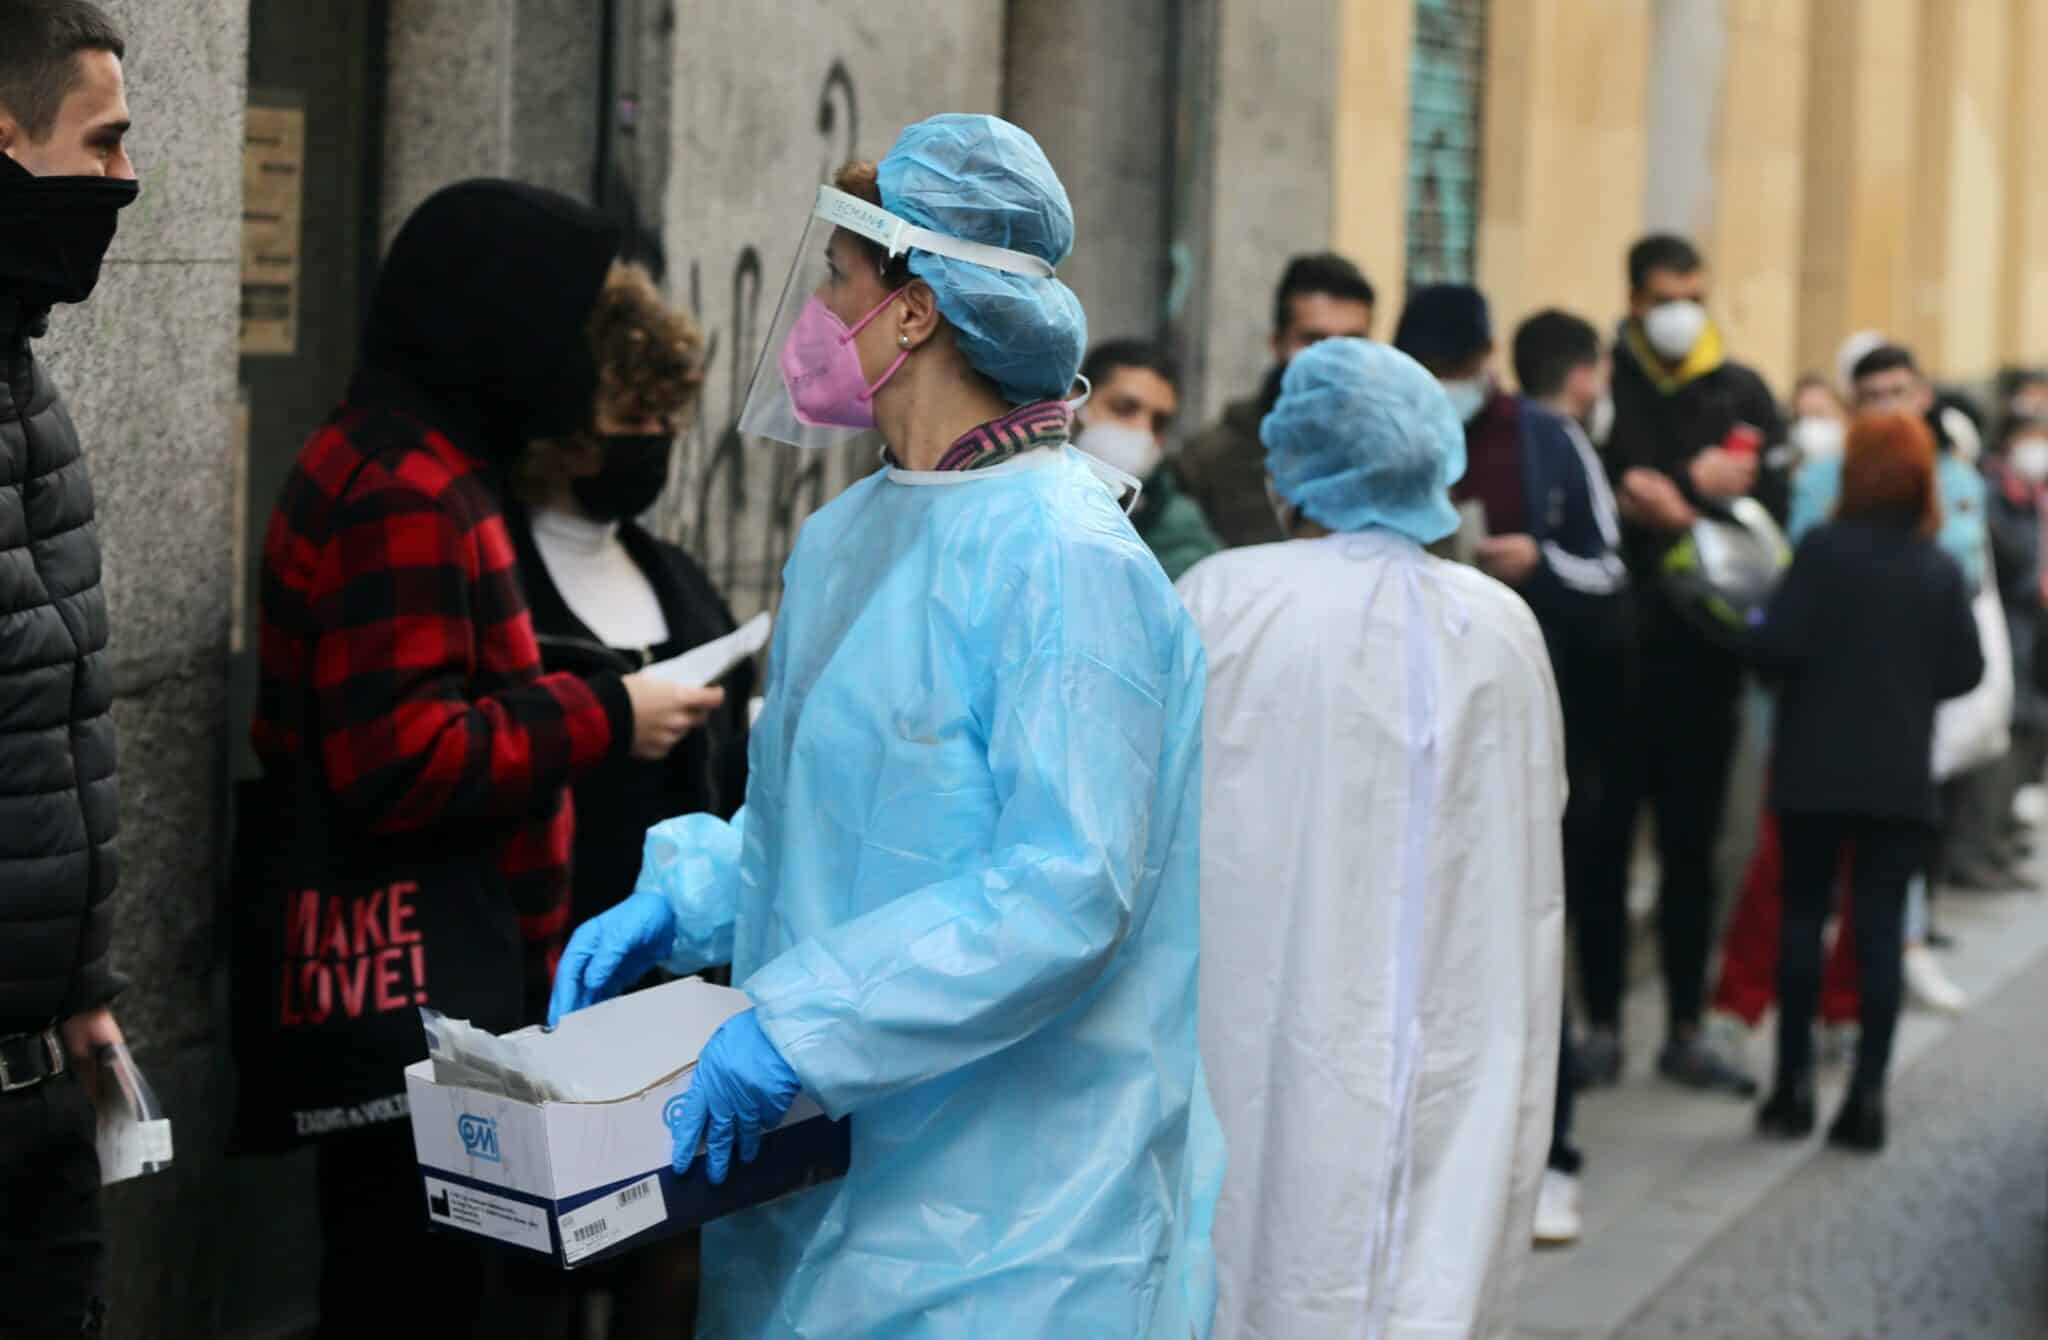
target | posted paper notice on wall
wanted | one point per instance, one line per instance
(273, 191)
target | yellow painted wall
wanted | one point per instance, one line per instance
(1369, 202)
(2023, 283)
(1861, 187)
(1753, 243)
(1561, 165)
(1956, 251)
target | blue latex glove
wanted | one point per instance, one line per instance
(610, 952)
(742, 1087)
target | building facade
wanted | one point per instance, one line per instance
(1844, 163)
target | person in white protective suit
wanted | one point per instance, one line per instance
(1382, 885)
(963, 894)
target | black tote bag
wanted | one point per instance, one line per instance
(335, 947)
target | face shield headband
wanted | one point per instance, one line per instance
(811, 349)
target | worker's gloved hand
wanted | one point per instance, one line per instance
(742, 1087)
(610, 952)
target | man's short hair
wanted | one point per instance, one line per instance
(1105, 358)
(39, 45)
(1322, 272)
(1884, 358)
(1548, 346)
(1662, 251)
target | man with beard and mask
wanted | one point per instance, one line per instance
(1224, 468)
(64, 174)
(402, 687)
(1692, 430)
(1135, 394)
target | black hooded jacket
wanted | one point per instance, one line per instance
(393, 620)
(57, 789)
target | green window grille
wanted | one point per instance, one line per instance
(1446, 73)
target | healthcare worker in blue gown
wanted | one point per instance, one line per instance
(963, 893)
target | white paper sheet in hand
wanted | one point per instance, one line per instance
(704, 665)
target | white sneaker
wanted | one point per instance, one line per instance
(2030, 806)
(1929, 986)
(1557, 1210)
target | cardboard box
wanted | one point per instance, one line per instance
(585, 1181)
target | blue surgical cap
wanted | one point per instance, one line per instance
(1362, 436)
(981, 179)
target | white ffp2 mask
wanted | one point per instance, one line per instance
(1673, 328)
(1132, 450)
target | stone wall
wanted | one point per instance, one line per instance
(752, 138)
(148, 367)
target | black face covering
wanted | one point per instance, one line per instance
(54, 231)
(634, 473)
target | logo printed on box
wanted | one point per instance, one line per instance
(672, 1111)
(479, 1137)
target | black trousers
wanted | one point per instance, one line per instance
(1887, 853)
(1679, 737)
(1564, 1155)
(1596, 691)
(53, 1250)
(382, 1272)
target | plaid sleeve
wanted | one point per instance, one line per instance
(535, 865)
(411, 611)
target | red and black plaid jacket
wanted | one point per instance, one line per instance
(390, 591)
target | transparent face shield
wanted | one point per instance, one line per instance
(809, 388)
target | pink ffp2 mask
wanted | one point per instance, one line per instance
(821, 368)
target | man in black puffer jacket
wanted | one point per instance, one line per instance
(63, 176)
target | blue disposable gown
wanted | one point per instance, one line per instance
(963, 896)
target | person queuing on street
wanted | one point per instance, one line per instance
(1563, 372)
(1382, 884)
(609, 597)
(1746, 985)
(963, 892)
(2016, 478)
(1223, 468)
(1552, 535)
(1136, 393)
(1885, 378)
(1819, 422)
(1692, 429)
(1851, 748)
(65, 176)
(402, 707)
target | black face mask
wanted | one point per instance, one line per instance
(54, 231)
(635, 472)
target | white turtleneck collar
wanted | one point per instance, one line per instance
(598, 579)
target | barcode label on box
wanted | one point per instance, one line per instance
(611, 1220)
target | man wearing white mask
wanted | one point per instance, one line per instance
(1692, 430)
(1136, 393)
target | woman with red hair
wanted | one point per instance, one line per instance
(1868, 633)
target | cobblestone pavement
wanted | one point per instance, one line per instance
(1944, 1237)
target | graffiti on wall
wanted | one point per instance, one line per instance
(738, 502)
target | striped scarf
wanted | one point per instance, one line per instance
(1043, 423)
